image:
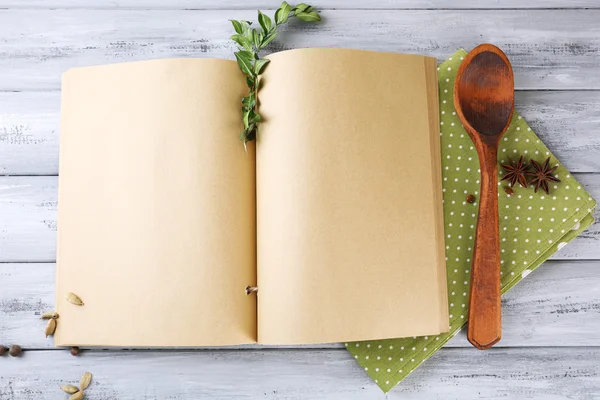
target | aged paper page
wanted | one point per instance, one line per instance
(156, 206)
(349, 210)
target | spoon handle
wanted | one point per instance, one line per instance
(484, 306)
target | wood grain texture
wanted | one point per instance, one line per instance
(484, 100)
(485, 313)
(29, 132)
(550, 49)
(323, 4)
(557, 305)
(28, 221)
(568, 122)
(303, 374)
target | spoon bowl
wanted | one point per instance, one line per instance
(484, 90)
(484, 102)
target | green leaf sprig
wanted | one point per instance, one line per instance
(251, 41)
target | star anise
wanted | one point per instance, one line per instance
(542, 174)
(515, 172)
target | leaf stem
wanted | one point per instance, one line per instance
(250, 42)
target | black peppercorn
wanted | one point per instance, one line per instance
(15, 350)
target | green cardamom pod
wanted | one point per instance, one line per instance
(76, 396)
(49, 315)
(86, 379)
(74, 299)
(50, 327)
(69, 389)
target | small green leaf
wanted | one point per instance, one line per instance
(308, 17)
(265, 22)
(260, 65)
(237, 26)
(282, 14)
(248, 102)
(316, 15)
(246, 118)
(268, 39)
(244, 63)
(243, 41)
(254, 117)
(251, 135)
(300, 8)
(255, 38)
(250, 81)
(245, 26)
(248, 34)
(248, 55)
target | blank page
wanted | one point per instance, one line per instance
(350, 223)
(156, 206)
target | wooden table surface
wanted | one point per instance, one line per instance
(551, 343)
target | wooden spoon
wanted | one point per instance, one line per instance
(484, 102)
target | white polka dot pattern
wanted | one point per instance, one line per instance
(532, 227)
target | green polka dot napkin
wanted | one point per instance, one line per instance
(532, 227)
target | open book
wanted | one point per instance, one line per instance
(335, 213)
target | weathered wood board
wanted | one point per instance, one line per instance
(464, 374)
(550, 49)
(28, 224)
(551, 342)
(541, 311)
(322, 4)
(567, 121)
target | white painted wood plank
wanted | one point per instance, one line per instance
(322, 4)
(550, 49)
(557, 305)
(29, 132)
(548, 374)
(560, 300)
(28, 221)
(586, 246)
(567, 121)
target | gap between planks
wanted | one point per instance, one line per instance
(28, 216)
(566, 121)
(450, 374)
(548, 48)
(297, 349)
(382, 5)
(272, 8)
(558, 300)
